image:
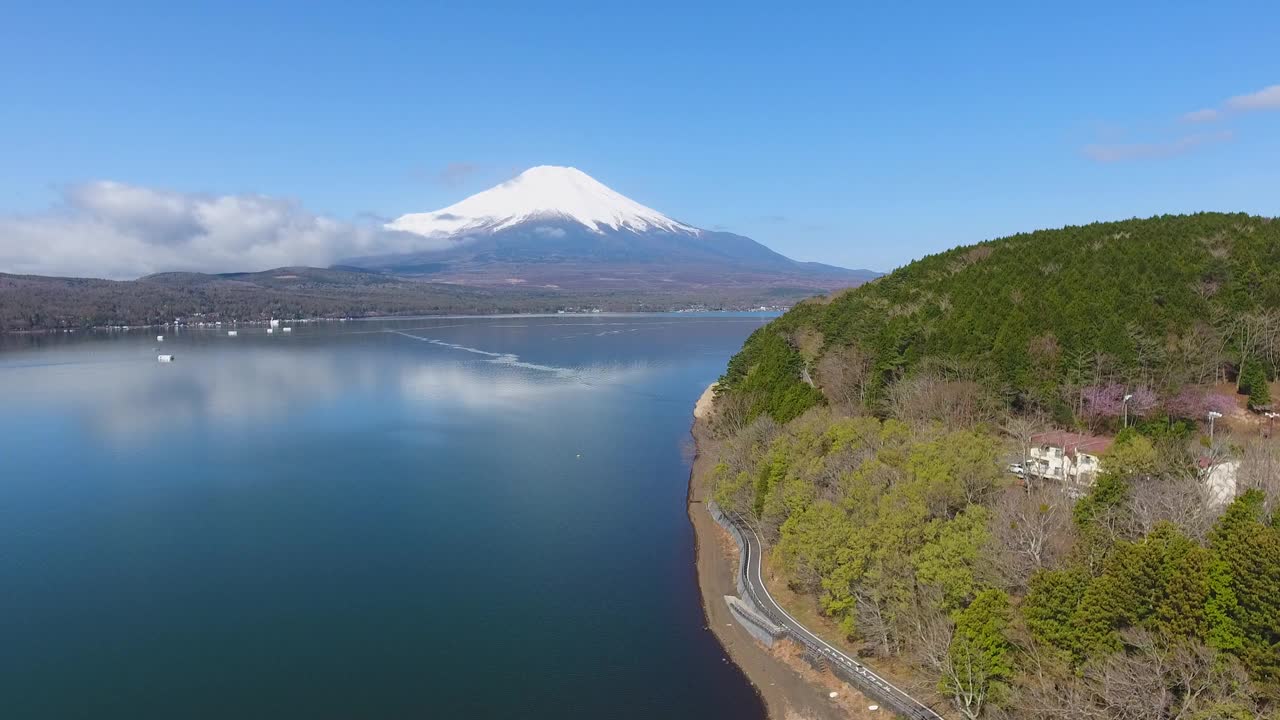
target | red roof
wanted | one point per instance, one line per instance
(1072, 443)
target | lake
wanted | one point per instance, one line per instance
(427, 518)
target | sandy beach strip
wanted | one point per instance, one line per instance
(702, 408)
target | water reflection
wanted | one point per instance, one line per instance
(348, 521)
(140, 398)
(131, 397)
(473, 388)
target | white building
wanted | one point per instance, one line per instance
(1219, 478)
(1067, 456)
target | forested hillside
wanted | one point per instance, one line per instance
(1037, 319)
(868, 436)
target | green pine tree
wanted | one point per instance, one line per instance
(981, 657)
(1253, 381)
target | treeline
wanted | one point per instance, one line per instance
(47, 303)
(1045, 321)
(1138, 601)
(39, 303)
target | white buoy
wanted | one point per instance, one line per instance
(159, 338)
(164, 358)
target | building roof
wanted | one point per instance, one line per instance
(1072, 443)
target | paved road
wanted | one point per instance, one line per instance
(860, 675)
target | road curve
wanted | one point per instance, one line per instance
(860, 675)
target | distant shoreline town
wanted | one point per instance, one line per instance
(32, 303)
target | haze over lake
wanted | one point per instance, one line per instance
(466, 517)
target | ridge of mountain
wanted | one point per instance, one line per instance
(558, 227)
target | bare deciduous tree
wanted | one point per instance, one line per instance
(931, 630)
(1048, 688)
(1195, 358)
(846, 376)
(1181, 498)
(963, 674)
(1160, 679)
(874, 623)
(1021, 429)
(1152, 678)
(731, 413)
(1029, 531)
(927, 397)
(1131, 685)
(1256, 336)
(740, 450)
(1260, 468)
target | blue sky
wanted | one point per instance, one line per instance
(848, 133)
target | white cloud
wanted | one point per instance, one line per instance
(1201, 116)
(115, 230)
(1267, 98)
(549, 232)
(1119, 152)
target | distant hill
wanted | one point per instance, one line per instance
(558, 227)
(1156, 303)
(29, 302)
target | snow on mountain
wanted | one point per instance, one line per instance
(556, 228)
(546, 192)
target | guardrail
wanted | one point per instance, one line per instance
(852, 671)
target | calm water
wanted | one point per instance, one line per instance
(472, 519)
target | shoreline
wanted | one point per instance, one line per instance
(773, 312)
(789, 687)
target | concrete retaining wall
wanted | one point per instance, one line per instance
(718, 515)
(760, 627)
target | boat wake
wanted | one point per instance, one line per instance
(508, 359)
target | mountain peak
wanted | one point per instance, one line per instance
(545, 192)
(553, 172)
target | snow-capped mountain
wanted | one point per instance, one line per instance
(542, 193)
(559, 228)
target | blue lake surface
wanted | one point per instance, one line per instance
(430, 518)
